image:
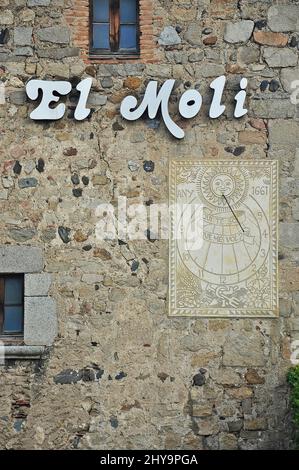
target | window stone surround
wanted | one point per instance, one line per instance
(40, 318)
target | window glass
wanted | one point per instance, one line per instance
(128, 11)
(101, 36)
(13, 291)
(127, 37)
(101, 11)
(11, 304)
(13, 319)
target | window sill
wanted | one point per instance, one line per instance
(23, 352)
(119, 58)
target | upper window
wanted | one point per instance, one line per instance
(114, 27)
(11, 305)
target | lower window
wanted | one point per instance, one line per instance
(11, 305)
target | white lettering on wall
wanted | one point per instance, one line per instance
(81, 111)
(43, 111)
(216, 108)
(240, 99)
(189, 105)
(153, 101)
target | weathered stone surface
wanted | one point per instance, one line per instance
(54, 34)
(243, 350)
(280, 57)
(39, 3)
(240, 31)
(295, 209)
(266, 38)
(289, 235)
(252, 377)
(212, 70)
(288, 78)
(24, 51)
(193, 34)
(20, 259)
(68, 376)
(249, 54)
(199, 379)
(283, 18)
(256, 424)
(133, 83)
(18, 97)
(40, 325)
(6, 17)
(284, 132)
(96, 99)
(28, 183)
(241, 393)
(250, 137)
(64, 233)
(207, 427)
(58, 53)
(272, 109)
(196, 56)
(22, 36)
(210, 40)
(235, 426)
(228, 442)
(22, 234)
(3, 194)
(169, 37)
(166, 383)
(37, 285)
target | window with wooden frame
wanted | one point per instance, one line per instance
(114, 28)
(11, 306)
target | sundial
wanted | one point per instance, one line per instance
(232, 272)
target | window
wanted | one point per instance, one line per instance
(11, 305)
(114, 27)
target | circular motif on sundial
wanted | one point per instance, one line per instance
(215, 183)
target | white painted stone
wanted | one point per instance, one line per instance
(21, 259)
(40, 325)
(37, 285)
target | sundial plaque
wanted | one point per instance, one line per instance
(233, 273)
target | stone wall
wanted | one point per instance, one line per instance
(121, 373)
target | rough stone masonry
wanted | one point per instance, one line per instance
(121, 373)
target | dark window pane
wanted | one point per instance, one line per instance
(101, 11)
(13, 320)
(13, 290)
(101, 36)
(128, 11)
(127, 37)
